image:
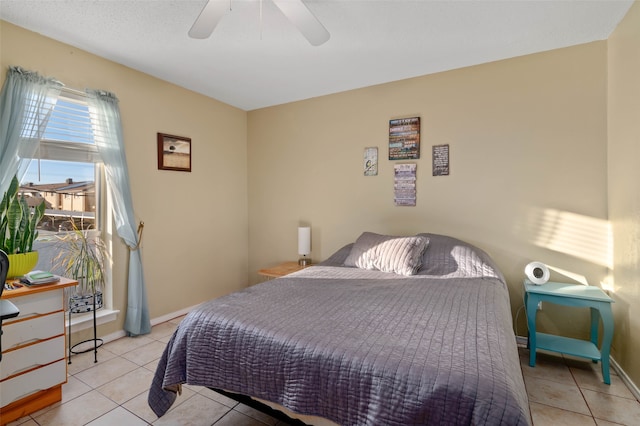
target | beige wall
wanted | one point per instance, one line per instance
(195, 240)
(624, 186)
(528, 164)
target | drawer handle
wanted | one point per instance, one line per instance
(27, 342)
(27, 394)
(30, 367)
(23, 317)
(31, 314)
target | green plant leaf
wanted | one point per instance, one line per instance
(18, 226)
(82, 255)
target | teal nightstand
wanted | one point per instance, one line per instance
(571, 295)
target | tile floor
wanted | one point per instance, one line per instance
(562, 391)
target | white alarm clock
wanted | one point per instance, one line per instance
(537, 273)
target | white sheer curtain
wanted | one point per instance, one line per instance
(26, 102)
(105, 118)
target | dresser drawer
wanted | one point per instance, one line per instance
(20, 333)
(32, 382)
(32, 356)
(37, 304)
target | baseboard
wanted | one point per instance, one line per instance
(113, 336)
(521, 341)
(625, 378)
(155, 321)
(169, 317)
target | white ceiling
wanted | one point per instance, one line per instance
(252, 64)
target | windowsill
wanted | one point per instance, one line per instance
(85, 321)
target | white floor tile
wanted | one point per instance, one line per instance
(547, 415)
(127, 344)
(78, 411)
(104, 372)
(145, 354)
(565, 396)
(130, 385)
(196, 411)
(119, 416)
(613, 408)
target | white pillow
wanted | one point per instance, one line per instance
(401, 255)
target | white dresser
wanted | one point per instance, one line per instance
(34, 358)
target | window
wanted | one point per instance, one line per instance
(67, 173)
(66, 169)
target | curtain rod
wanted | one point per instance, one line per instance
(74, 91)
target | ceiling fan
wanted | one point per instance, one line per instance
(295, 10)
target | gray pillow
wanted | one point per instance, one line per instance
(387, 253)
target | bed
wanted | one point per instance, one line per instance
(387, 331)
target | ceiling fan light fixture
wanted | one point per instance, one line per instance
(208, 19)
(306, 22)
(295, 10)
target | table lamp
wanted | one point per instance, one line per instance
(304, 245)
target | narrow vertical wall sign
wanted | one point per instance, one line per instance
(404, 186)
(440, 158)
(371, 161)
(404, 138)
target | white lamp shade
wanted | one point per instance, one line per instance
(304, 240)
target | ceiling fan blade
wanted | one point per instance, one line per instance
(208, 18)
(300, 15)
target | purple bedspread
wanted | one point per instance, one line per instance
(361, 347)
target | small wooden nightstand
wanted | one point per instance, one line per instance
(281, 270)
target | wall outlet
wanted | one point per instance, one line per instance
(540, 305)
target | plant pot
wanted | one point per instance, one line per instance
(84, 303)
(21, 263)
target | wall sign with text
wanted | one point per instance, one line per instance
(404, 186)
(404, 138)
(440, 158)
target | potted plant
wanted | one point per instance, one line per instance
(81, 255)
(18, 230)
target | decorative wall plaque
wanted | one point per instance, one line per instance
(371, 161)
(404, 138)
(174, 153)
(440, 158)
(404, 186)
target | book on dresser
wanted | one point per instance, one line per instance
(39, 278)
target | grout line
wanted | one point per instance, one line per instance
(564, 360)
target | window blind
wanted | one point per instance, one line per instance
(69, 134)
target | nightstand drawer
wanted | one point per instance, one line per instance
(33, 356)
(32, 382)
(21, 333)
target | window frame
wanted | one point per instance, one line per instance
(76, 151)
